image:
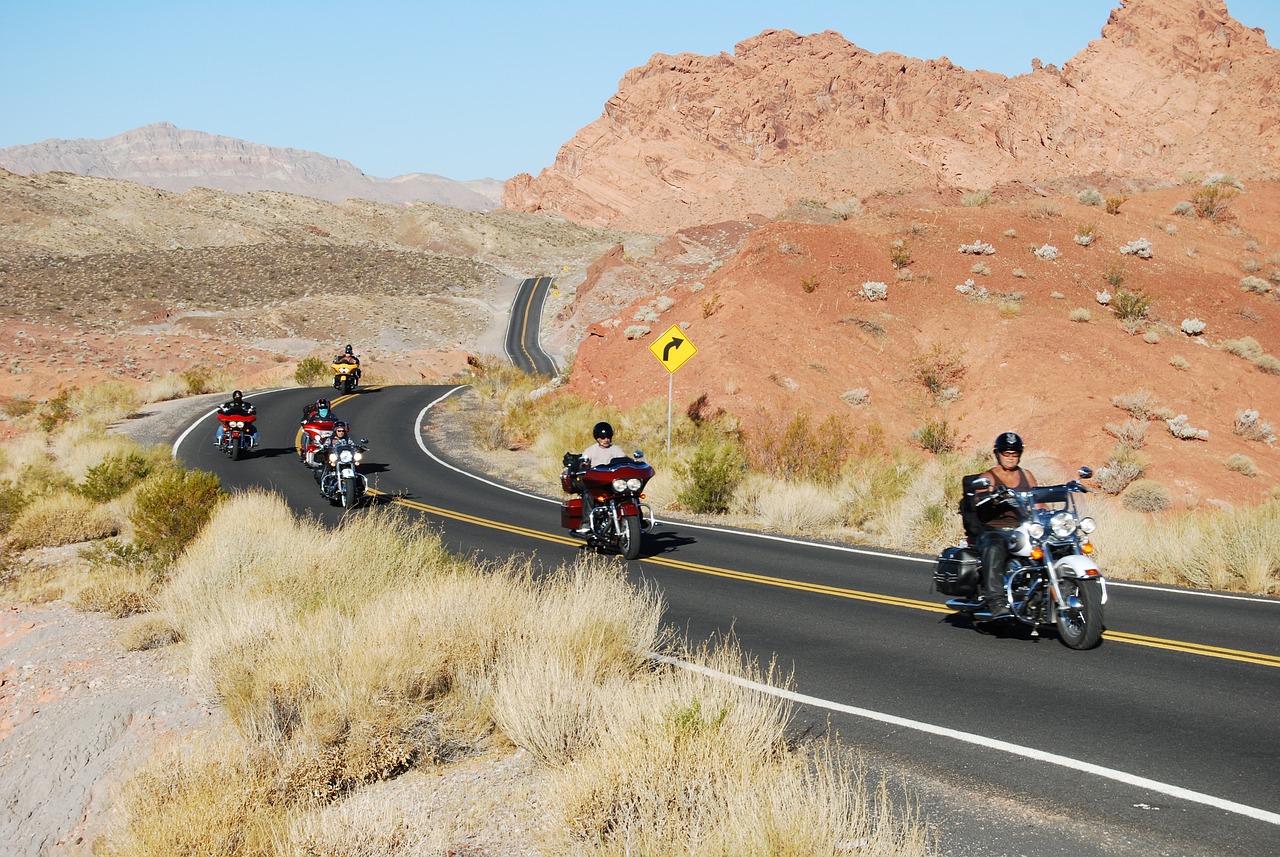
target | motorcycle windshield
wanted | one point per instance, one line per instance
(623, 468)
(1050, 494)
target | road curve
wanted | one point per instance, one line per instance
(522, 344)
(1161, 741)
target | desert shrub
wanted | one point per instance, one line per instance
(1243, 464)
(1255, 284)
(712, 475)
(1103, 297)
(1211, 199)
(1250, 426)
(1180, 428)
(1113, 203)
(1140, 248)
(1192, 326)
(1179, 362)
(1151, 337)
(1146, 495)
(857, 396)
(1115, 275)
(1246, 348)
(114, 475)
(1184, 209)
(710, 305)
(61, 519)
(637, 331)
(968, 289)
(13, 499)
(873, 291)
(980, 269)
(939, 368)
(801, 451)
(1085, 234)
(1009, 309)
(311, 372)
(1047, 252)
(1130, 305)
(977, 199)
(936, 436)
(1268, 363)
(1090, 196)
(198, 381)
(171, 509)
(1131, 434)
(1140, 404)
(899, 254)
(978, 248)
(1114, 476)
(809, 284)
(18, 407)
(55, 412)
(1081, 315)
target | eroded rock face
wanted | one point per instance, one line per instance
(1171, 86)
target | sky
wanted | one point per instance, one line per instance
(466, 89)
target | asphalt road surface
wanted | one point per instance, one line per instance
(1164, 740)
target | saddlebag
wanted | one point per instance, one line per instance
(957, 571)
(571, 513)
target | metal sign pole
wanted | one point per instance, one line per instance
(671, 379)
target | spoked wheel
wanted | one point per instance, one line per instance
(629, 541)
(1080, 618)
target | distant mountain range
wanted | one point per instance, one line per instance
(165, 156)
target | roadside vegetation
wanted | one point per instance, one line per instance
(350, 657)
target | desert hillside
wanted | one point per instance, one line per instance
(1170, 87)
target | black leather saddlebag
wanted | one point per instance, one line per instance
(956, 572)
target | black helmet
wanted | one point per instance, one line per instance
(237, 396)
(322, 403)
(602, 429)
(339, 426)
(347, 350)
(1008, 442)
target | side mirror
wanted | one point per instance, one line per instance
(973, 484)
(1086, 472)
(638, 455)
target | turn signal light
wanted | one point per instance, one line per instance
(1086, 548)
(1037, 553)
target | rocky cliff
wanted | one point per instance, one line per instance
(1172, 86)
(175, 159)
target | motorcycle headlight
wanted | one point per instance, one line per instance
(333, 458)
(345, 456)
(237, 423)
(1035, 529)
(1088, 525)
(1063, 524)
(619, 485)
(359, 456)
(634, 484)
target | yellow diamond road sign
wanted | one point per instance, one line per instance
(673, 348)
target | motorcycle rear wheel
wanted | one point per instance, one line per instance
(629, 540)
(1080, 627)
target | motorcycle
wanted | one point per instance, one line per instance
(1050, 578)
(340, 481)
(237, 438)
(345, 375)
(314, 433)
(618, 518)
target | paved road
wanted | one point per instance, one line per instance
(522, 345)
(1161, 741)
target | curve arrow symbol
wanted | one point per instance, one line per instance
(675, 342)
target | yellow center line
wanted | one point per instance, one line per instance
(1258, 658)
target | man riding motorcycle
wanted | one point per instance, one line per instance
(237, 405)
(988, 525)
(599, 454)
(348, 357)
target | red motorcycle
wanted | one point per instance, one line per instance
(618, 518)
(315, 432)
(236, 435)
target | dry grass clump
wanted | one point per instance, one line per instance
(62, 519)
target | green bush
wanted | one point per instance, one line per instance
(12, 501)
(172, 507)
(1146, 495)
(311, 372)
(1130, 305)
(714, 474)
(55, 412)
(116, 474)
(198, 381)
(936, 436)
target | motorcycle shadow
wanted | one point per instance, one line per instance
(272, 451)
(656, 544)
(1002, 629)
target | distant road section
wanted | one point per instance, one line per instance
(522, 345)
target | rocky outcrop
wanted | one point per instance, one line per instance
(171, 158)
(1171, 86)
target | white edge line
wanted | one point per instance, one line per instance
(177, 443)
(982, 741)
(417, 432)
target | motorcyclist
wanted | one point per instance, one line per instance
(239, 407)
(341, 434)
(992, 521)
(348, 357)
(317, 410)
(600, 453)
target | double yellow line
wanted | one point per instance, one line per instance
(857, 595)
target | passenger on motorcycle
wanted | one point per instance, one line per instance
(317, 410)
(600, 453)
(349, 357)
(237, 405)
(987, 525)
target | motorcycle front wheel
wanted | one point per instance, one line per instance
(233, 449)
(1080, 618)
(349, 494)
(629, 540)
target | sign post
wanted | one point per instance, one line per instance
(673, 349)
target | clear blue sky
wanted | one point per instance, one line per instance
(462, 88)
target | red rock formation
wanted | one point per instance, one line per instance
(1171, 86)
